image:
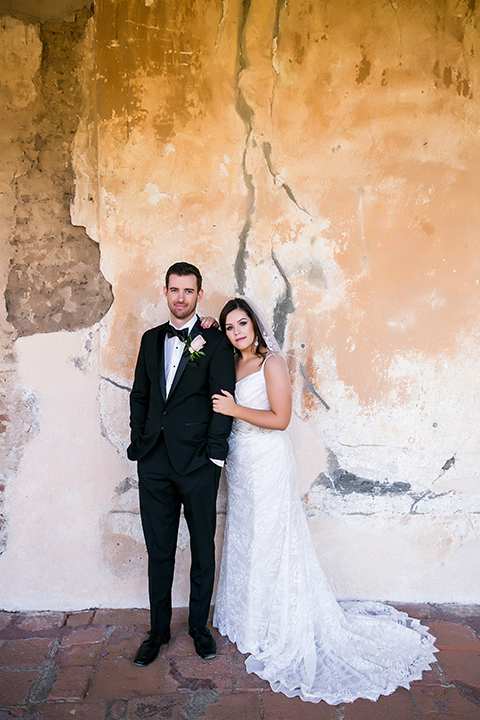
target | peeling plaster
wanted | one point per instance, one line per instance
(55, 282)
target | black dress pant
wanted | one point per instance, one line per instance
(162, 493)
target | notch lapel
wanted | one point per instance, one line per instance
(161, 361)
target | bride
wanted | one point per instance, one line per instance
(273, 598)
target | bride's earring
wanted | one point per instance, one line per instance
(256, 341)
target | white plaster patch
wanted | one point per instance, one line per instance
(154, 194)
(64, 486)
(109, 202)
(379, 558)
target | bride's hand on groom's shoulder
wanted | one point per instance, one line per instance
(224, 404)
(207, 322)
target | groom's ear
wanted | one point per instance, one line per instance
(200, 295)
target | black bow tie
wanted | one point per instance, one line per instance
(173, 331)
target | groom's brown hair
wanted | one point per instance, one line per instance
(182, 269)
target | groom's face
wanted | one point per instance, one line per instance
(182, 297)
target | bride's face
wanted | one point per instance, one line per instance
(239, 329)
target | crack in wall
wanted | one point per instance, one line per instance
(400, 37)
(311, 389)
(221, 23)
(117, 385)
(427, 495)
(267, 153)
(284, 307)
(245, 113)
(276, 31)
(379, 445)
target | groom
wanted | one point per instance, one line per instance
(180, 445)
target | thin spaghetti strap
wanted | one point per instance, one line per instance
(268, 356)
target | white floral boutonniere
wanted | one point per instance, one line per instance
(194, 347)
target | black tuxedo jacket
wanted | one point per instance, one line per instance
(193, 432)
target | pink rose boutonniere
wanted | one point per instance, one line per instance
(194, 347)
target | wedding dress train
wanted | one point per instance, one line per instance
(273, 598)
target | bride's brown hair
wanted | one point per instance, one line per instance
(240, 304)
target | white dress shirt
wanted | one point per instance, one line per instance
(174, 348)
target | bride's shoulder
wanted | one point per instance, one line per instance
(276, 376)
(274, 364)
(275, 359)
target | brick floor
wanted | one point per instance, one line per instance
(59, 666)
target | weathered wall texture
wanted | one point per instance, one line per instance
(323, 158)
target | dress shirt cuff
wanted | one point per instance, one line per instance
(220, 463)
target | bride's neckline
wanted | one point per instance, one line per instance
(256, 372)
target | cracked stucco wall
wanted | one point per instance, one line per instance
(322, 158)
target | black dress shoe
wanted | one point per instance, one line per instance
(149, 649)
(205, 645)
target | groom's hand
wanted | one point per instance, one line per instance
(224, 404)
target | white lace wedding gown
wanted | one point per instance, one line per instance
(273, 598)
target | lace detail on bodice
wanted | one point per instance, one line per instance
(240, 427)
(251, 391)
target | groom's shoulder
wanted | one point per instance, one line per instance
(153, 333)
(215, 339)
(213, 334)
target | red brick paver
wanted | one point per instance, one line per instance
(80, 618)
(129, 616)
(74, 711)
(193, 673)
(458, 665)
(84, 635)
(121, 679)
(72, 683)
(168, 705)
(14, 686)
(31, 652)
(278, 707)
(41, 621)
(79, 655)
(244, 680)
(444, 702)
(235, 707)
(398, 706)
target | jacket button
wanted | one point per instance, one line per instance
(164, 412)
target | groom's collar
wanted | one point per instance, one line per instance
(189, 325)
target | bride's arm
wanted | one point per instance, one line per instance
(279, 397)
